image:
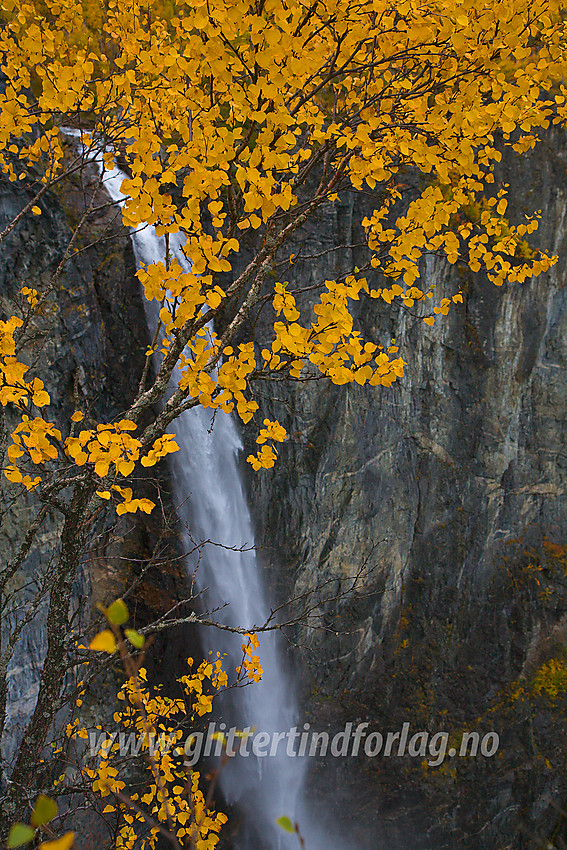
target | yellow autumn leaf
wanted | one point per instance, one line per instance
(63, 843)
(104, 642)
(44, 811)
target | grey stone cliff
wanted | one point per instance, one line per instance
(87, 343)
(443, 497)
(447, 492)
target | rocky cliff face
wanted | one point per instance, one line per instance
(79, 347)
(447, 493)
(87, 343)
(435, 511)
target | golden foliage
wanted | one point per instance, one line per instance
(221, 111)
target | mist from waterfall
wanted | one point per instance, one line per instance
(212, 507)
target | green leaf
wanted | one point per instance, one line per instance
(135, 638)
(19, 835)
(117, 613)
(45, 810)
(285, 823)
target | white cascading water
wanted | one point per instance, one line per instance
(212, 507)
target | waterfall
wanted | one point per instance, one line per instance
(212, 507)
